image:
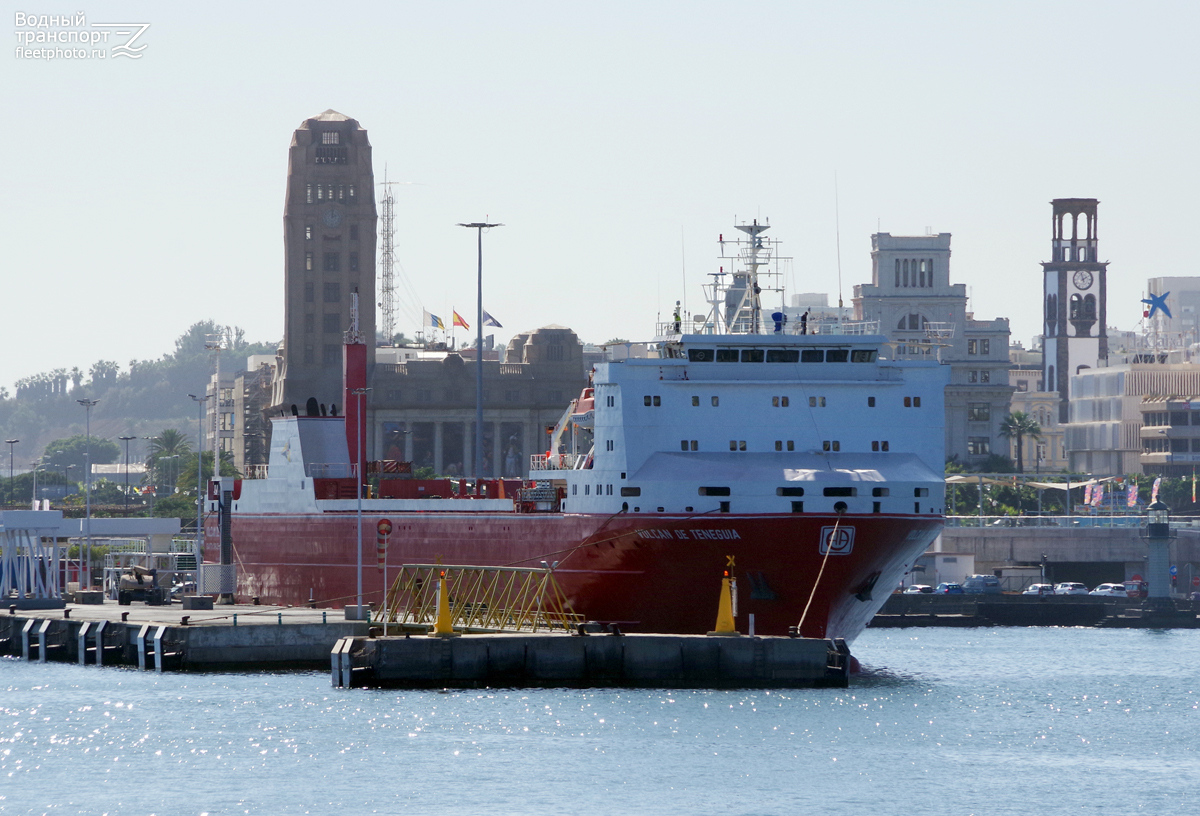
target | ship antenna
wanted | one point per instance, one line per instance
(837, 231)
(683, 266)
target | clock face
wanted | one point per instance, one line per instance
(1082, 279)
(331, 217)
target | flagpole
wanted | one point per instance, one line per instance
(479, 227)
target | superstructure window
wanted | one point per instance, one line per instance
(779, 402)
(752, 355)
(783, 355)
(695, 401)
(837, 355)
(812, 356)
(700, 355)
(862, 356)
(841, 491)
(631, 491)
(716, 401)
(713, 491)
(816, 402)
(789, 491)
(877, 492)
(831, 445)
(737, 444)
(879, 445)
(652, 401)
(727, 355)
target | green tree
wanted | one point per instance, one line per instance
(1018, 425)
(170, 444)
(74, 451)
(188, 477)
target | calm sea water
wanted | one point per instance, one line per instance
(942, 722)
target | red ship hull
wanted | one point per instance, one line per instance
(657, 573)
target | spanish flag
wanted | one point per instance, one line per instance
(458, 321)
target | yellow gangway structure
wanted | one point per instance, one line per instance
(481, 599)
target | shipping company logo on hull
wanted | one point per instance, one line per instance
(837, 540)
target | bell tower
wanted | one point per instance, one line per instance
(1074, 286)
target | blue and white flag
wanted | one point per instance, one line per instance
(433, 321)
(488, 320)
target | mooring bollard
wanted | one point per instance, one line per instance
(235, 620)
(124, 617)
(66, 613)
(280, 619)
(184, 620)
(323, 614)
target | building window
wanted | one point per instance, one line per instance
(972, 376)
(331, 323)
(333, 293)
(320, 192)
(308, 232)
(978, 445)
(331, 354)
(979, 412)
(353, 261)
(351, 192)
(330, 137)
(308, 261)
(310, 292)
(309, 357)
(308, 198)
(985, 376)
(310, 323)
(354, 232)
(332, 262)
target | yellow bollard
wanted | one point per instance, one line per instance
(444, 626)
(725, 627)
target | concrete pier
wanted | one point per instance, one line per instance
(167, 638)
(605, 660)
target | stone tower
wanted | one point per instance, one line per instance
(329, 227)
(1075, 285)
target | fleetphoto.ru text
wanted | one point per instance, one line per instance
(72, 37)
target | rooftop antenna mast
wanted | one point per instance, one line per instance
(387, 257)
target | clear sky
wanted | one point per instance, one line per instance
(614, 140)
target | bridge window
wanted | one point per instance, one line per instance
(789, 491)
(713, 491)
(812, 356)
(783, 355)
(700, 355)
(841, 491)
(837, 355)
(862, 356)
(752, 355)
(727, 355)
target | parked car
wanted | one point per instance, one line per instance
(945, 588)
(981, 585)
(1111, 590)
(1136, 589)
(918, 589)
(1070, 588)
(1039, 589)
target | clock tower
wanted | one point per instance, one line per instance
(329, 223)
(1074, 286)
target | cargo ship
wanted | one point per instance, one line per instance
(807, 463)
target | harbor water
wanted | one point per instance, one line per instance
(941, 721)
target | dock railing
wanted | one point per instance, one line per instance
(481, 599)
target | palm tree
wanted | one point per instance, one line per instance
(1018, 425)
(169, 443)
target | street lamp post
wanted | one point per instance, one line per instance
(88, 404)
(479, 227)
(358, 483)
(126, 439)
(200, 475)
(35, 466)
(12, 490)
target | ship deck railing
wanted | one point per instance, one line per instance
(555, 461)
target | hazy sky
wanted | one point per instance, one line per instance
(615, 141)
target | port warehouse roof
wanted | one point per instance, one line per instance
(51, 523)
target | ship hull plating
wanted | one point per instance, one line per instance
(660, 573)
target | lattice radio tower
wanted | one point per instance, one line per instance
(387, 258)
